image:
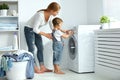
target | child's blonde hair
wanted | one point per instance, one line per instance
(56, 21)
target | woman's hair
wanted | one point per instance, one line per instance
(56, 21)
(52, 6)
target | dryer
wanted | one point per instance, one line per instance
(81, 49)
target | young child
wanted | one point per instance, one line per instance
(58, 34)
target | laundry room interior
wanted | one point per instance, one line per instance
(88, 31)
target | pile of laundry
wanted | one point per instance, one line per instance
(7, 59)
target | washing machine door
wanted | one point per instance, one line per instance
(72, 47)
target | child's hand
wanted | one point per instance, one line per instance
(70, 32)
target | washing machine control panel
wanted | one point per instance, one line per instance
(75, 30)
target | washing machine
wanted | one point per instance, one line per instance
(81, 49)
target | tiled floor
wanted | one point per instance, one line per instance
(68, 76)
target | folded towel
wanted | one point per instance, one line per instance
(6, 48)
(8, 25)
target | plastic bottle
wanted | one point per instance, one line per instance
(15, 42)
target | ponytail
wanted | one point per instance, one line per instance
(42, 10)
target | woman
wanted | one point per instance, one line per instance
(33, 33)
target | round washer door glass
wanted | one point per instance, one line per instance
(72, 47)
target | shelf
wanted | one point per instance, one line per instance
(9, 25)
(8, 16)
(8, 0)
(9, 30)
(8, 50)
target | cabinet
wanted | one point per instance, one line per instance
(107, 50)
(9, 27)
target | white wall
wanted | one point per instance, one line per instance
(26, 10)
(28, 7)
(74, 12)
(98, 8)
(112, 8)
(94, 11)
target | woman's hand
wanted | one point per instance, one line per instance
(49, 35)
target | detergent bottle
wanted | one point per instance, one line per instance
(15, 42)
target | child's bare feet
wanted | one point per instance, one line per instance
(57, 69)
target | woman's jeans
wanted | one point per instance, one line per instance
(33, 39)
(57, 51)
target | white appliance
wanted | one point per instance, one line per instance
(81, 49)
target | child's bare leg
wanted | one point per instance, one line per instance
(57, 69)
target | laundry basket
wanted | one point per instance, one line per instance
(18, 71)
